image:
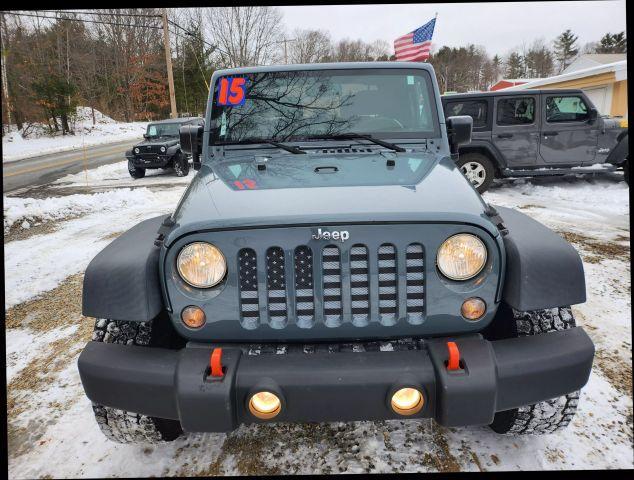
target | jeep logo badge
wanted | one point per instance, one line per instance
(342, 235)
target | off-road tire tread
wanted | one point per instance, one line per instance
(549, 416)
(181, 165)
(128, 427)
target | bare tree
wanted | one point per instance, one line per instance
(310, 46)
(245, 35)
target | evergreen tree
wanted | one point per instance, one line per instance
(514, 66)
(612, 43)
(566, 49)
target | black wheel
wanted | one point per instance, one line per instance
(478, 169)
(181, 165)
(626, 171)
(127, 427)
(134, 171)
(549, 416)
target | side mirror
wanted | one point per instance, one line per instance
(459, 131)
(191, 141)
(592, 115)
(146, 136)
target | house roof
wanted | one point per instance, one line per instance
(619, 68)
(603, 58)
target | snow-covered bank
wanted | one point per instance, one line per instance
(105, 130)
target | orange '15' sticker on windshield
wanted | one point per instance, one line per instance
(231, 91)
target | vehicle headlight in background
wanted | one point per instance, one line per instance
(136, 150)
(201, 265)
(461, 256)
(163, 149)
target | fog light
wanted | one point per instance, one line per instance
(407, 401)
(473, 308)
(265, 405)
(193, 317)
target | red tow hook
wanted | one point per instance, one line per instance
(454, 356)
(215, 363)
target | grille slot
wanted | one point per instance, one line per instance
(248, 278)
(359, 284)
(331, 265)
(276, 287)
(304, 286)
(304, 292)
(415, 271)
(388, 282)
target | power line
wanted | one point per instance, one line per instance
(83, 20)
(97, 12)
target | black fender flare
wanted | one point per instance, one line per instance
(486, 148)
(542, 269)
(173, 150)
(620, 152)
(122, 282)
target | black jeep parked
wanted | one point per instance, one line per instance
(536, 132)
(161, 148)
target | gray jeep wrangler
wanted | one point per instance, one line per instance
(161, 148)
(537, 132)
(329, 262)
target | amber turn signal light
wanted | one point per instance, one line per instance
(473, 308)
(193, 317)
(407, 401)
(265, 405)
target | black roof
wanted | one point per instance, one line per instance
(502, 93)
(177, 120)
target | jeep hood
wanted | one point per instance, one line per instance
(327, 189)
(167, 141)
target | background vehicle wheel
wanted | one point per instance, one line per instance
(181, 165)
(135, 172)
(626, 171)
(127, 427)
(548, 416)
(478, 169)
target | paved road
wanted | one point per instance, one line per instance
(47, 168)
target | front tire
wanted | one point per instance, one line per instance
(127, 427)
(549, 416)
(181, 165)
(478, 169)
(134, 171)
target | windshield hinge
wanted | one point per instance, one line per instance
(493, 214)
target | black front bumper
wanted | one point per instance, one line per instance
(150, 161)
(495, 376)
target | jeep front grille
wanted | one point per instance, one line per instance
(332, 285)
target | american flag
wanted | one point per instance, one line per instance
(415, 45)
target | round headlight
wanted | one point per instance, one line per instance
(461, 256)
(162, 149)
(202, 265)
(136, 150)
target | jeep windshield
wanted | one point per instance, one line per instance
(319, 105)
(155, 130)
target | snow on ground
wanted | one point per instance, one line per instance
(52, 431)
(38, 142)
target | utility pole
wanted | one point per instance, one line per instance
(168, 61)
(5, 87)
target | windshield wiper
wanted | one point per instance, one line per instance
(288, 148)
(349, 136)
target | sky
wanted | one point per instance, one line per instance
(498, 27)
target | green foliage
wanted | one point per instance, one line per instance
(57, 96)
(515, 66)
(566, 48)
(612, 43)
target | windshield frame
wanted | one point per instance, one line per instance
(329, 69)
